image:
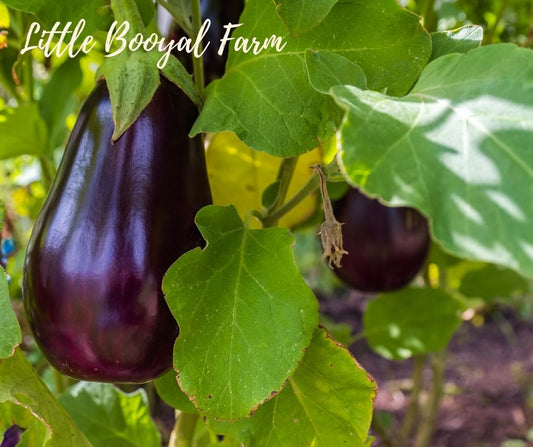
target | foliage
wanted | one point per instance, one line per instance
(421, 107)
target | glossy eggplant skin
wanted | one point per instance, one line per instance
(117, 216)
(386, 246)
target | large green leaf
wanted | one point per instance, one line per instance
(327, 403)
(301, 16)
(110, 417)
(267, 99)
(22, 131)
(458, 148)
(10, 335)
(21, 385)
(245, 314)
(411, 322)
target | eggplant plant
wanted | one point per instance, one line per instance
(138, 310)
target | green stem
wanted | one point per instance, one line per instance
(382, 432)
(431, 409)
(176, 15)
(413, 407)
(429, 18)
(494, 28)
(285, 174)
(183, 433)
(311, 186)
(198, 65)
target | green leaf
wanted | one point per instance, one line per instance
(457, 148)
(175, 72)
(132, 79)
(245, 314)
(110, 417)
(58, 101)
(411, 322)
(266, 99)
(10, 335)
(92, 11)
(459, 40)
(301, 16)
(21, 385)
(22, 131)
(168, 389)
(327, 403)
(327, 69)
(491, 282)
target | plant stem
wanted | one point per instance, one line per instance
(311, 186)
(382, 432)
(413, 407)
(176, 15)
(332, 173)
(183, 433)
(198, 65)
(431, 409)
(285, 173)
(429, 18)
(494, 28)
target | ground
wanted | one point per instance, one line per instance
(489, 378)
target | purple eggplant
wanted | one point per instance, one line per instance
(386, 246)
(117, 216)
(12, 436)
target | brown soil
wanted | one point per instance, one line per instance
(489, 378)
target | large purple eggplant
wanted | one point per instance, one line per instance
(117, 216)
(386, 246)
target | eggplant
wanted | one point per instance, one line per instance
(12, 436)
(116, 217)
(386, 246)
(220, 13)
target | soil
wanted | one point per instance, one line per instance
(488, 394)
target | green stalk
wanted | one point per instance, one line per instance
(414, 405)
(285, 174)
(198, 65)
(311, 186)
(431, 409)
(429, 18)
(183, 433)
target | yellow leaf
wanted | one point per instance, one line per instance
(239, 175)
